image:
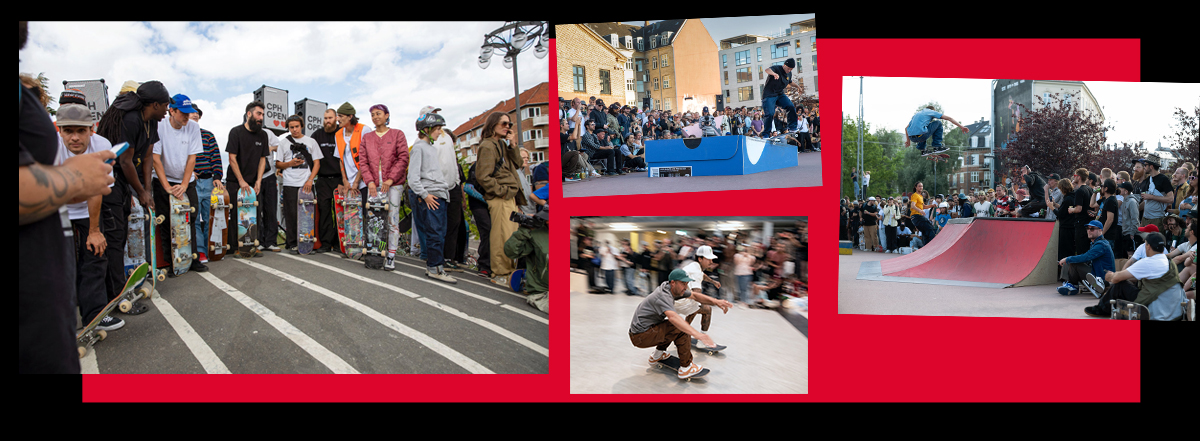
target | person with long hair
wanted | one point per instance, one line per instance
(383, 160)
(1066, 220)
(917, 214)
(496, 172)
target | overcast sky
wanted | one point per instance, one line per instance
(1137, 111)
(404, 66)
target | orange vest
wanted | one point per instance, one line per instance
(355, 139)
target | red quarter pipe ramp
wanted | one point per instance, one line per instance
(1007, 251)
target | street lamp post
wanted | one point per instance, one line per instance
(509, 41)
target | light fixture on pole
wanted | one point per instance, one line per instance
(509, 41)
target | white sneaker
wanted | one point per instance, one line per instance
(688, 372)
(1094, 284)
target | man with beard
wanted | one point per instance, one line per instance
(133, 118)
(248, 148)
(1157, 197)
(329, 180)
(656, 323)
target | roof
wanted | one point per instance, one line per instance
(622, 30)
(659, 27)
(979, 128)
(537, 96)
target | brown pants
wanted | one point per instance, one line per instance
(872, 236)
(705, 312)
(661, 336)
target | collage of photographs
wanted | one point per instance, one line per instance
(383, 208)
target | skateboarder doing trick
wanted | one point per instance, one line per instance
(924, 126)
(656, 323)
(779, 79)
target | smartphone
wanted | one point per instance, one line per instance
(117, 150)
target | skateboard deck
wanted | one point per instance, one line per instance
(673, 363)
(217, 233)
(936, 156)
(135, 244)
(247, 223)
(339, 201)
(156, 274)
(305, 221)
(376, 233)
(710, 351)
(352, 220)
(181, 235)
(135, 288)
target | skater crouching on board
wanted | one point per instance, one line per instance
(705, 261)
(656, 323)
(924, 127)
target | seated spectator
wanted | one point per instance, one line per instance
(635, 157)
(1154, 276)
(1089, 267)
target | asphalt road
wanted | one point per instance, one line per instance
(316, 314)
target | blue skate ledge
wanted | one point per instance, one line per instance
(719, 155)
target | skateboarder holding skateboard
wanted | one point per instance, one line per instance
(248, 148)
(299, 160)
(174, 163)
(430, 187)
(656, 323)
(925, 126)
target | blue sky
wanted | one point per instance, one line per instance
(403, 65)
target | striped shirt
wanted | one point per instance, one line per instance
(208, 164)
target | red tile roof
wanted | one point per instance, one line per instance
(537, 96)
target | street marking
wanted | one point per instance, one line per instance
(485, 324)
(520, 311)
(438, 347)
(87, 364)
(325, 356)
(203, 353)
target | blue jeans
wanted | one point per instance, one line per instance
(926, 228)
(744, 287)
(630, 276)
(204, 193)
(433, 228)
(769, 104)
(935, 132)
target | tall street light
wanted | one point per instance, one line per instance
(509, 41)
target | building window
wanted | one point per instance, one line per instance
(629, 64)
(741, 58)
(580, 79)
(653, 63)
(628, 42)
(974, 176)
(724, 61)
(640, 44)
(746, 93)
(653, 41)
(759, 49)
(641, 86)
(798, 46)
(666, 38)
(814, 43)
(629, 84)
(743, 75)
(726, 78)
(726, 94)
(814, 61)
(530, 135)
(974, 141)
(799, 66)
(533, 112)
(656, 84)
(667, 104)
(537, 157)
(605, 88)
(639, 63)
(666, 81)
(612, 39)
(779, 50)
(665, 60)
(815, 89)
(760, 72)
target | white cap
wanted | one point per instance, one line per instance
(943, 205)
(705, 252)
(871, 198)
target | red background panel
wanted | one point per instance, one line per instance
(852, 357)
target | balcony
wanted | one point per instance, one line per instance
(541, 143)
(541, 120)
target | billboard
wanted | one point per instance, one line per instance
(275, 107)
(1008, 97)
(313, 112)
(95, 91)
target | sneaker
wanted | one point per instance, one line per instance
(936, 150)
(654, 360)
(261, 248)
(1094, 284)
(198, 267)
(202, 257)
(500, 280)
(688, 372)
(1092, 311)
(439, 274)
(389, 264)
(1068, 289)
(110, 323)
(274, 248)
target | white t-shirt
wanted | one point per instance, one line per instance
(175, 146)
(608, 258)
(96, 143)
(1151, 267)
(350, 166)
(292, 176)
(688, 306)
(981, 208)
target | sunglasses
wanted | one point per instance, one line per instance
(506, 124)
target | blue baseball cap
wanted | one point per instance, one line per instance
(1095, 224)
(182, 103)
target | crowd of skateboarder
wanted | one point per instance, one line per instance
(164, 165)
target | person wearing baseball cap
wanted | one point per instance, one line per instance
(1141, 282)
(1088, 267)
(698, 303)
(657, 323)
(174, 166)
(76, 137)
(1158, 195)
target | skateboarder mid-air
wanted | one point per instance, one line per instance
(657, 324)
(925, 126)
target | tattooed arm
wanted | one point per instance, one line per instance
(43, 188)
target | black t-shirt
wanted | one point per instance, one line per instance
(1037, 187)
(330, 166)
(1083, 197)
(46, 267)
(1162, 184)
(869, 215)
(774, 87)
(1061, 213)
(141, 136)
(565, 142)
(249, 148)
(1109, 205)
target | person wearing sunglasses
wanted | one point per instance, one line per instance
(496, 172)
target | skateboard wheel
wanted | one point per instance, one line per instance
(82, 351)
(256, 243)
(192, 209)
(159, 219)
(102, 334)
(145, 291)
(255, 203)
(194, 256)
(125, 305)
(162, 276)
